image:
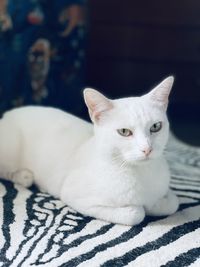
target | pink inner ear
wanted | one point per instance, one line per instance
(160, 101)
(97, 115)
(161, 92)
(160, 97)
(100, 110)
(97, 103)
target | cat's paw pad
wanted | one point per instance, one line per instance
(23, 177)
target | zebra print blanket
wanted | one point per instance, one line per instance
(39, 230)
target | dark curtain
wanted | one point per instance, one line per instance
(42, 53)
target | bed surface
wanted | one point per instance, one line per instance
(39, 230)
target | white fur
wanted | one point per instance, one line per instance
(100, 173)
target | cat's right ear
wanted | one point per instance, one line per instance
(97, 104)
(160, 93)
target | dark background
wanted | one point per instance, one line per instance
(133, 45)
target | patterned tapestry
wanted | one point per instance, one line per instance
(42, 53)
(39, 230)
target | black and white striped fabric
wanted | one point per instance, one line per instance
(38, 230)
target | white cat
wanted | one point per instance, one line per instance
(116, 174)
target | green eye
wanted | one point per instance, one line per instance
(156, 127)
(125, 132)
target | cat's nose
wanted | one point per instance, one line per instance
(147, 151)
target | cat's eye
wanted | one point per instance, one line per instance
(156, 127)
(125, 132)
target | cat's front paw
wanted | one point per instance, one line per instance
(168, 205)
(131, 215)
(23, 177)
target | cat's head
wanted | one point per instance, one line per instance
(133, 129)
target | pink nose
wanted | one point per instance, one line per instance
(147, 151)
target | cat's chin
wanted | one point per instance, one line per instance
(139, 161)
(142, 161)
(146, 160)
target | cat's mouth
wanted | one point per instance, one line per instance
(139, 160)
(126, 160)
(145, 159)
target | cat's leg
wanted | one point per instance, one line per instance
(129, 215)
(165, 206)
(23, 177)
(11, 147)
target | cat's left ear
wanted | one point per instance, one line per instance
(160, 94)
(97, 104)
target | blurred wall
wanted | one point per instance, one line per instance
(135, 44)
